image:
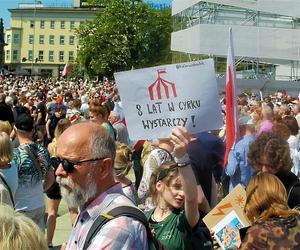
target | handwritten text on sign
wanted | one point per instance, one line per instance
(160, 98)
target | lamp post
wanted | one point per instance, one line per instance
(2, 43)
(33, 42)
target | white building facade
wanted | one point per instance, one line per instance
(266, 37)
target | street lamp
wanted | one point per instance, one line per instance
(2, 42)
(33, 42)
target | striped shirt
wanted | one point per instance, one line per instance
(119, 233)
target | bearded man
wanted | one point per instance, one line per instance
(86, 153)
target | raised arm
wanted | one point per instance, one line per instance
(180, 138)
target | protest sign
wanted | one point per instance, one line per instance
(228, 217)
(157, 99)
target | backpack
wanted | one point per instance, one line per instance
(8, 189)
(293, 186)
(128, 211)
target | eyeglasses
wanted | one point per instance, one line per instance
(69, 166)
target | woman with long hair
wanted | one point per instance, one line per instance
(122, 165)
(274, 224)
(99, 113)
(173, 188)
(17, 231)
(53, 194)
(8, 171)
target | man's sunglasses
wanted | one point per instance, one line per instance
(67, 165)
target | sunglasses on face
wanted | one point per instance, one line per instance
(69, 166)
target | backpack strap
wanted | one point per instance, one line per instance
(127, 211)
(294, 183)
(8, 189)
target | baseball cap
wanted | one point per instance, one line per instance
(24, 122)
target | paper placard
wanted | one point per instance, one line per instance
(157, 99)
(228, 217)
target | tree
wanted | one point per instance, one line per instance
(125, 34)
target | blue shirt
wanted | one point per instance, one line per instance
(238, 167)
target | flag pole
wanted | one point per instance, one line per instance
(232, 127)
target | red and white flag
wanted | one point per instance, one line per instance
(67, 69)
(2, 77)
(232, 126)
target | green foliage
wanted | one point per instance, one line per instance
(77, 71)
(124, 35)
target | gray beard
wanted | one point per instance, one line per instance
(77, 197)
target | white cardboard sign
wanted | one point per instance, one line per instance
(157, 99)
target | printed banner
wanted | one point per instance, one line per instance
(157, 99)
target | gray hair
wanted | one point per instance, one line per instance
(9, 101)
(102, 145)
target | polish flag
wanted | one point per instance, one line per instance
(232, 126)
(2, 77)
(67, 69)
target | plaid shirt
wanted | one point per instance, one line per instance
(119, 233)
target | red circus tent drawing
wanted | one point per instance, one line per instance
(161, 84)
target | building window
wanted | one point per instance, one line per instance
(52, 24)
(72, 24)
(51, 39)
(42, 39)
(30, 40)
(42, 24)
(51, 55)
(71, 55)
(15, 55)
(16, 38)
(62, 24)
(8, 38)
(71, 40)
(41, 55)
(7, 55)
(30, 55)
(62, 40)
(61, 56)
(31, 24)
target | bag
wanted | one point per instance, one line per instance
(128, 211)
(201, 239)
(8, 189)
(293, 184)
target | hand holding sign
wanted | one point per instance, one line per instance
(159, 98)
(180, 139)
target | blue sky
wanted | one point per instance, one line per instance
(9, 4)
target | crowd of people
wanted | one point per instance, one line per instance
(67, 139)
